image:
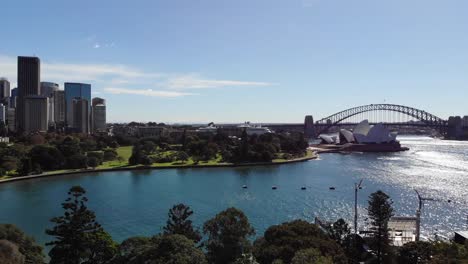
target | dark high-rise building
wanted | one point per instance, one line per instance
(80, 108)
(59, 107)
(36, 113)
(14, 95)
(98, 115)
(29, 79)
(11, 116)
(4, 88)
(73, 91)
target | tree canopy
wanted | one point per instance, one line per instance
(78, 237)
(27, 246)
(283, 241)
(228, 234)
(380, 211)
(179, 223)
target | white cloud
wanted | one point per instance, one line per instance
(118, 75)
(147, 92)
(195, 82)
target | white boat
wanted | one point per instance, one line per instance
(252, 130)
(208, 129)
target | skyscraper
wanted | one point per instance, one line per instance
(14, 95)
(80, 109)
(98, 114)
(4, 88)
(48, 89)
(28, 85)
(2, 114)
(73, 91)
(59, 107)
(36, 113)
(11, 117)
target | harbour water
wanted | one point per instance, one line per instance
(136, 202)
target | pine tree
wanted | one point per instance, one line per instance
(78, 237)
(244, 151)
(179, 223)
(136, 155)
(380, 211)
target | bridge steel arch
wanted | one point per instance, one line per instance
(428, 119)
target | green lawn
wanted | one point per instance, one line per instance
(309, 154)
(124, 153)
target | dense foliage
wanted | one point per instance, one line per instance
(263, 148)
(179, 223)
(283, 242)
(79, 239)
(160, 249)
(36, 153)
(227, 234)
(26, 246)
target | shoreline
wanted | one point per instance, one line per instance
(350, 148)
(151, 167)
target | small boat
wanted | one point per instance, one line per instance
(332, 188)
(274, 187)
(244, 186)
(303, 188)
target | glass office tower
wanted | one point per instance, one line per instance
(72, 91)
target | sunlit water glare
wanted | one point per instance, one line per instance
(136, 203)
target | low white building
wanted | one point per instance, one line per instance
(402, 229)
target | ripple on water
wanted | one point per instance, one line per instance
(136, 203)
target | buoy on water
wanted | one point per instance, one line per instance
(332, 188)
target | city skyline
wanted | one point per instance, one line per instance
(196, 63)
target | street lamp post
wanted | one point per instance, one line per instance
(357, 187)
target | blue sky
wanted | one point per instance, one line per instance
(234, 61)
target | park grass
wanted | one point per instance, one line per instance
(125, 152)
(309, 154)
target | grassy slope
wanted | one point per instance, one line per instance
(124, 154)
(126, 151)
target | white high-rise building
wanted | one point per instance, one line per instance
(98, 115)
(2, 113)
(50, 111)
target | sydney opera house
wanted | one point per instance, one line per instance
(365, 137)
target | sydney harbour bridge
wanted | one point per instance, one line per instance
(391, 115)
